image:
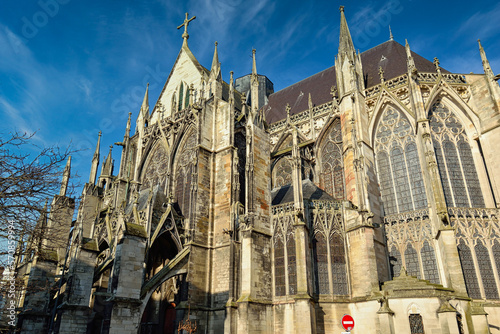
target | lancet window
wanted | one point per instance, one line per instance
(454, 157)
(477, 237)
(285, 264)
(400, 176)
(184, 174)
(332, 166)
(329, 253)
(180, 99)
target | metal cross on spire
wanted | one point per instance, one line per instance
(185, 34)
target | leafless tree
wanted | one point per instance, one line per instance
(29, 176)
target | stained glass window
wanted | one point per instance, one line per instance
(486, 270)
(412, 265)
(429, 263)
(183, 174)
(181, 97)
(283, 172)
(416, 324)
(454, 157)
(496, 255)
(401, 183)
(292, 265)
(332, 170)
(240, 143)
(336, 261)
(468, 270)
(395, 261)
(156, 171)
(339, 275)
(279, 268)
(321, 264)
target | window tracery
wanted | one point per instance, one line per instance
(410, 240)
(487, 276)
(401, 183)
(332, 165)
(283, 172)
(454, 157)
(329, 252)
(477, 236)
(285, 268)
(157, 169)
(183, 176)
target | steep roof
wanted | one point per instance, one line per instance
(310, 191)
(390, 55)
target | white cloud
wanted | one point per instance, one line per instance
(481, 25)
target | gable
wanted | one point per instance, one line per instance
(186, 70)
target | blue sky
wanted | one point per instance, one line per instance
(69, 68)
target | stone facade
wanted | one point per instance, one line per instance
(375, 195)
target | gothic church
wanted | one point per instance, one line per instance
(371, 188)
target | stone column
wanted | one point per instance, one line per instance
(128, 275)
(447, 318)
(479, 319)
(75, 309)
(386, 317)
(304, 309)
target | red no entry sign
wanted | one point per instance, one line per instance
(347, 322)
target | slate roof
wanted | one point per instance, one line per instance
(310, 191)
(390, 55)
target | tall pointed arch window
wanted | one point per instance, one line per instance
(330, 265)
(454, 158)
(332, 165)
(400, 176)
(180, 98)
(185, 168)
(156, 170)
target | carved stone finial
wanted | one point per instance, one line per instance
(341, 8)
(333, 92)
(391, 37)
(381, 73)
(185, 24)
(287, 108)
(436, 63)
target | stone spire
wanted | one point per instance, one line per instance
(145, 103)
(65, 178)
(143, 116)
(391, 37)
(486, 64)
(107, 167)
(349, 68)
(346, 46)
(491, 78)
(95, 160)
(215, 73)
(254, 84)
(409, 58)
(297, 172)
(127, 130)
(125, 145)
(231, 87)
